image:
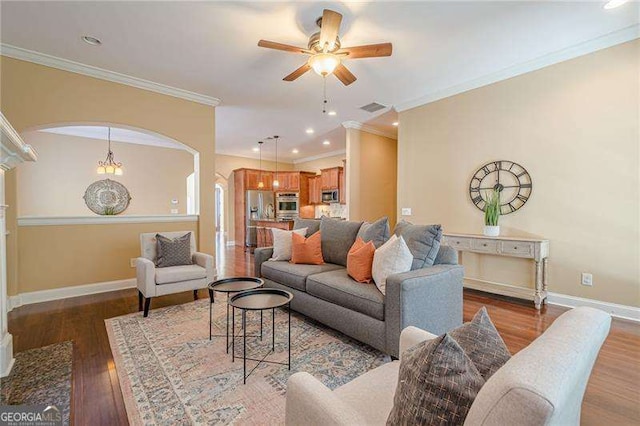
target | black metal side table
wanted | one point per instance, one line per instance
(231, 285)
(258, 300)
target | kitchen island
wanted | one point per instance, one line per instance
(263, 230)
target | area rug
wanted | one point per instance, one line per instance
(41, 376)
(171, 373)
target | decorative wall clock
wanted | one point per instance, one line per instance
(107, 197)
(507, 177)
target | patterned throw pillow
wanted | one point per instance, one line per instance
(173, 252)
(482, 343)
(437, 384)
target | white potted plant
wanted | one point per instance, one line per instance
(492, 214)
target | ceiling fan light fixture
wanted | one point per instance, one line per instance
(324, 63)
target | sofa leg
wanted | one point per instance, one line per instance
(147, 304)
(140, 297)
(195, 294)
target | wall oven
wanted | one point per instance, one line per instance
(287, 205)
(331, 196)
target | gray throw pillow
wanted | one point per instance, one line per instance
(423, 241)
(312, 225)
(378, 231)
(437, 384)
(173, 252)
(337, 237)
(482, 343)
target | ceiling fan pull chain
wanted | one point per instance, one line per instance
(324, 94)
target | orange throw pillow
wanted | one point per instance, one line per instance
(306, 250)
(360, 260)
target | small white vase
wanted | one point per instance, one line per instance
(491, 231)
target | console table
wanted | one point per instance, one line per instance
(529, 248)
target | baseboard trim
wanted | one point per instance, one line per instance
(67, 292)
(6, 355)
(631, 313)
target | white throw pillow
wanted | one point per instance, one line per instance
(282, 242)
(393, 257)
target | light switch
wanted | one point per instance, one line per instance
(174, 211)
(406, 211)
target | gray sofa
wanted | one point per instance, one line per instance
(429, 298)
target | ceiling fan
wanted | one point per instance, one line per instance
(326, 53)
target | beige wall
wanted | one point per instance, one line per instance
(371, 176)
(35, 96)
(61, 256)
(575, 127)
(321, 163)
(55, 184)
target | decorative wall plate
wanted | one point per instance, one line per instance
(107, 197)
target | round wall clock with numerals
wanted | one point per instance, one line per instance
(509, 178)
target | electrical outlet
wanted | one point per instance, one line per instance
(174, 211)
(587, 279)
(132, 262)
(406, 211)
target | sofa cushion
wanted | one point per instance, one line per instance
(173, 251)
(293, 275)
(312, 225)
(173, 274)
(339, 288)
(423, 241)
(378, 232)
(337, 238)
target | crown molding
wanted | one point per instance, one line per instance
(614, 38)
(320, 156)
(367, 128)
(102, 74)
(13, 150)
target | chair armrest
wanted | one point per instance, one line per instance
(412, 336)
(310, 403)
(146, 276)
(261, 255)
(206, 261)
(428, 298)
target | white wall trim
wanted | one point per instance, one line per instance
(620, 311)
(102, 220)
(617, 37)
(102, 74)
(320, 156)
(6, 355)
(231, 243)
(67, 292)
(367, 128)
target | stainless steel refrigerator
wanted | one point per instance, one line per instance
(260, 205)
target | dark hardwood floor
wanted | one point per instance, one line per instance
(613, 394)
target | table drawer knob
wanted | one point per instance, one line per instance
(484, 245)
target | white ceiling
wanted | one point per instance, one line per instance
(100, 133)
(211, 48)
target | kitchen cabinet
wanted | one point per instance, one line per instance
(330, 178)
(253, 177)
(342, 187)
(289, 182)
(315, 193)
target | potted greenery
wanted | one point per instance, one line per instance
(492, 214)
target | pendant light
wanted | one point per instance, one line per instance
(276, 182)
(260, 182)
(109, 165)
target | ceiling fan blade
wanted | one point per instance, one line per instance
(285, 47)
(329, 30)
(344, 75)
(368, 51)
(297, 73)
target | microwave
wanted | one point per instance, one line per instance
(331, 196)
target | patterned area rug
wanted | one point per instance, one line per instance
(41, 376)
(170, 373)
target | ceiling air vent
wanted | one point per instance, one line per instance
(373, 107)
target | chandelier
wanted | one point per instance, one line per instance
(109, 165)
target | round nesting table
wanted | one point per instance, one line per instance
(260, 299)
(228, 286)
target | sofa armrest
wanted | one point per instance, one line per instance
(206, 261)
(146, 276)
(311, 403)
(412, 336)
(428, 298)
(261, 255)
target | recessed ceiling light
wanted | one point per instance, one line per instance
(295, 151)
(91, 40)
(332, 113)
(326, 143)
(612, 4)
(309, 131)
(256, 149)
(395, 123)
